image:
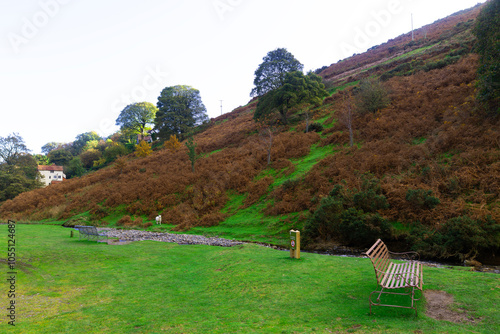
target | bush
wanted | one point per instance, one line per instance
(369, 198)
(440, 63)
(72, 222)
(315, 127)
(322, 225)
(371, 96)
(360, 229)
(462, 238)
(467, 238)
(349, 217)
(124, 221)
(422, 198)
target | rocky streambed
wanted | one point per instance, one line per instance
(125, 236)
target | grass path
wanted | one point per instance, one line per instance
(153, 287)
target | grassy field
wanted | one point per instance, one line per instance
(69, 286)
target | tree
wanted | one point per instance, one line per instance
(143, 149)
(191, 146)
(136, 117)
(11, 147)
(297, 89)
(88, 157)
(60, 157)
(18, 176)
(346, 116)
(271, 72)
(266, 134)
(179, 110)
(371, 96)
(113, 151)
(75, 168)
(50, 146)
(81, 140)
(41, 159)
(173, 143)
(487, 31)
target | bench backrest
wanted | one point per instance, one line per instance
(379, 255)
(90, 230)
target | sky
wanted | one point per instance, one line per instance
(70, 66)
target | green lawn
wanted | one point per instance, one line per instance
(70, 286)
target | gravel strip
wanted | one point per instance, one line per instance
(181, 239)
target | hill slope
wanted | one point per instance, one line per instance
(430, 138)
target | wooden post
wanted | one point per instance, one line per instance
(295, 244)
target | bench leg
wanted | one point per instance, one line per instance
(410, 293)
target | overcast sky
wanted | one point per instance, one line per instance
(70, 66)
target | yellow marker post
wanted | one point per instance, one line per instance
(295, 244)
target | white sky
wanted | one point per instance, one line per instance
(70, 66)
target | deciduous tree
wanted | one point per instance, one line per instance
(50, 146)
(179, 110)
(143, 149)
(371, 96)
(173, 143)
(18, 176)
(191, 146)
(60, 157)
(136, 117)
(81, 140)
(11, 147)
(346, 116)
(271, 72)
(297, 89)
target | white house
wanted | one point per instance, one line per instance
(51, 174)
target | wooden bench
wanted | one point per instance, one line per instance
(91, 233)
(390, 275)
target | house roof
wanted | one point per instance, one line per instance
(51, 167)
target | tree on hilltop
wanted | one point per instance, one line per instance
(179, 110)
(271, 72)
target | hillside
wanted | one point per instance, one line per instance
(431, 138)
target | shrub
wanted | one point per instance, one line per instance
(315, 127)
(422, 198)
(211, 219)
(124, 221)
(98, 212)
(173, 143)
(371, 96)
(460, 237)
(143, 149)
(322, 225)
(347, 215)
(369, 198)
(440, 63)
(360, 229)
(72, 222)
(467, 238)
